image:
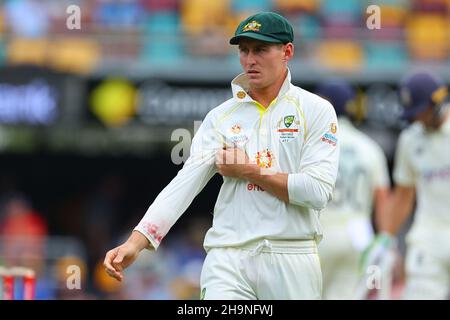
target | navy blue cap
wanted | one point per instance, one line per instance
(419, 91)
(338, 92)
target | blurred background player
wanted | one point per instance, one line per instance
(422, 172)
(362, 184)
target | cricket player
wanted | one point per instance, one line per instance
(276, 146)
(362, 182)
(422, 173)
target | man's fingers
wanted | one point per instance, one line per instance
(112, 264)
(110, 256)
(231, 156)
(227, 156)
(241, 156)
(118, 260)
(111, 268)
(220, 157)
(115, 274)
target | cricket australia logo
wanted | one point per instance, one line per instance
(288, 128)
(252, 26)
(288, 120)
(264, 159)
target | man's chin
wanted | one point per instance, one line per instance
(255, 83)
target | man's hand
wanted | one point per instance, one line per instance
(119, 258)
(379, 252)
(233, 162)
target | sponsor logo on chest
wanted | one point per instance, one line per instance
(237, 135)
(436, 174)
(264, 159)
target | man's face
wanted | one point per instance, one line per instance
(432, 119)
(263, 62)
(426, 117)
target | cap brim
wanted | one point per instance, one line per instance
(253, 35)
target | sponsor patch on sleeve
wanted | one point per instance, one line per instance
(330, 136)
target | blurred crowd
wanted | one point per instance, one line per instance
(329, 34)
(79, 238)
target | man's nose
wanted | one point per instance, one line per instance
(251, 58)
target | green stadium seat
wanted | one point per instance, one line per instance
(385, 55)
(162, 50)
(2, 53)
(251, 5)
(348, 10)
(162, 41)
(308, 27)
(162, 22)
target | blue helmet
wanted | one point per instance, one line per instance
(419, 91)
(339, 92)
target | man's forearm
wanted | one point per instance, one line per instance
(382, 196)
(398, 210)
(274, 183)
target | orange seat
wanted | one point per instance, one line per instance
(197, 16)
(296, 5)
(393, 16)
(77, 55)
(27, 51)
(2, 22)
(340, 55)
(428, 36)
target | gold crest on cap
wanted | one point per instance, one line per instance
(252, 26)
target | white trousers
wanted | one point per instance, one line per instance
(345, 236)
(264, 270)
(428, 261)
(339, 260)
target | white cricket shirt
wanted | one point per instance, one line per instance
(362, 169)
(423, 160)
(296, 134)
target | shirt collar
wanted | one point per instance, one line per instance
(446, 125)
(240, 87)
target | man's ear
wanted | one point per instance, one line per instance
(288, 51)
